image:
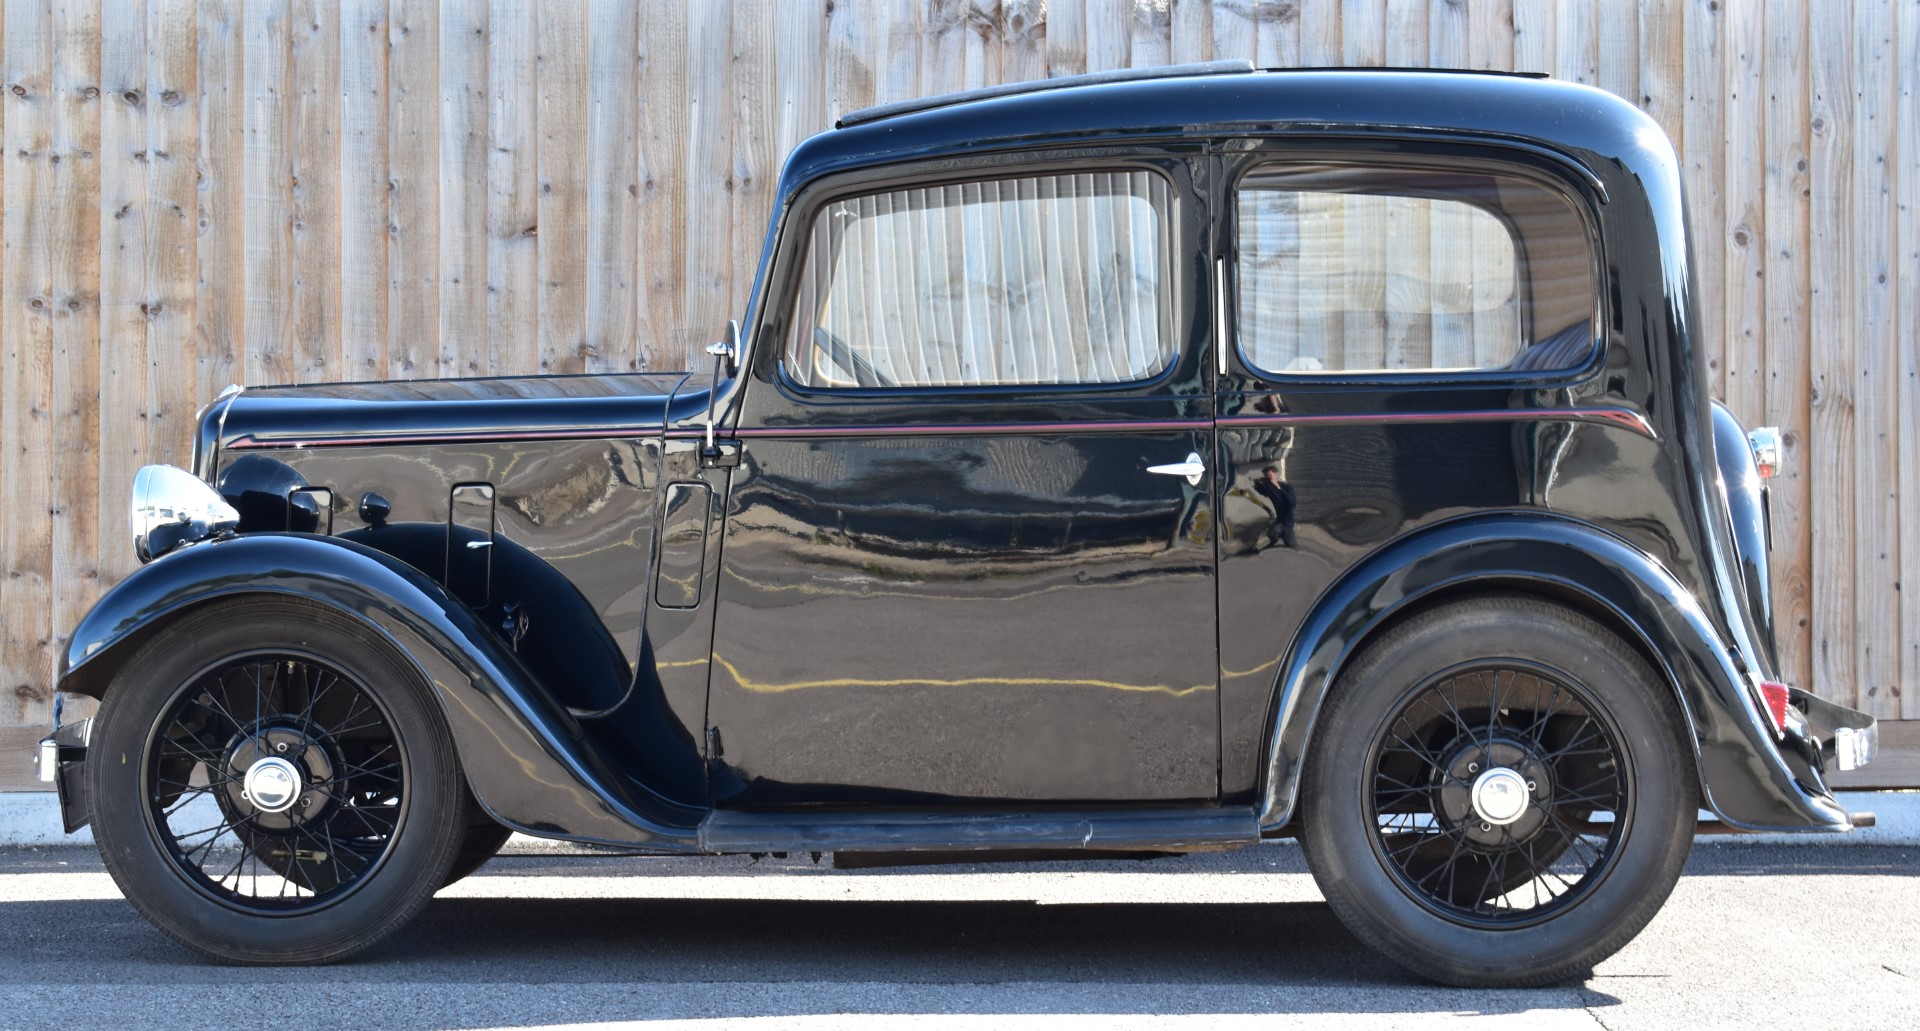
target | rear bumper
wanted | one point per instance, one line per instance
(1845, 739)
(63, 761)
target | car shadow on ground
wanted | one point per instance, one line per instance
(515, 961)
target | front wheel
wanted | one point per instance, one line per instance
(1500, 793)
(272, 783)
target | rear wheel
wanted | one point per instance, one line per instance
(1501, 792)
(271, 783)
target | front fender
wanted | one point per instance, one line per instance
(1745, 780)
(523, 755)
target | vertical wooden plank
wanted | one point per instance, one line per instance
(464, 194)
(413, 244)
(1026, 40)
(1191, 31)
(945, 33)
(1617, 50)
(1830, 441)
(1576, 57)
(1449, 35)
(755, 165)
(365, 193)
(124, 212)
(1876, 459)
(76, 424)
(267, 167)
(709, 275)
(1788, 331)
(314, 189)
(1534, 36)
(1490, 38)
(1066, 37)
(513, 187)
(1663, 40)
(1319, 35)
(563, 186)
(1150, 30)
(26, 393)
(898, 28)
(799, 40)
(1235, 33)
(1741, 252)
(613, 197)
(662, 176)
(1363, 33)
(1702, 153)
(172, 261)
(984, 35)
(1907, 337)
(1109, 27)
(1279, 31)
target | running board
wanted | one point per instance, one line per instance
(1137, 830)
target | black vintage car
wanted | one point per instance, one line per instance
(1142, 463)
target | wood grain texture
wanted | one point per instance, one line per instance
(464, 193)
(1906, 174)
(1875, 459)
(26, 382)
(1830, 451)
(413, 196)
(563, 185)
(513, 185)
(305, 190)
(1786, 338)
(74, 446)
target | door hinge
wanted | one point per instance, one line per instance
(720, 454)
(713, 742)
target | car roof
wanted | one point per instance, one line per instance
(1226, 99)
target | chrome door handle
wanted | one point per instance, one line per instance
(1193, 468)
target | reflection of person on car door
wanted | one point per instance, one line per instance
(1279, 495)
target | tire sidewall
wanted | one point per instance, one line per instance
(140, 696)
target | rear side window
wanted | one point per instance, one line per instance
(1351, 269)
(1057, 279)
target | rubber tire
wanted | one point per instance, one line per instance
(1372, 689)
(418, 860)
(480, 842)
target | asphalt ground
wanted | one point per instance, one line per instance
(1755, 935)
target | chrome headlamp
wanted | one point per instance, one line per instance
(172, 507)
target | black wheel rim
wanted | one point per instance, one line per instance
(1465, 751)
(292, 844)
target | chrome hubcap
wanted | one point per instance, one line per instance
(272, 784)
(1500, 796)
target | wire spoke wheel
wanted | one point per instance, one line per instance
(276, 783)
(1499, 794)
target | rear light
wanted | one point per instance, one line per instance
(1766, 445)
(1773, 702)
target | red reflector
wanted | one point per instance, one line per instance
(1774, 700)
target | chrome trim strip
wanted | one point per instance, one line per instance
(1622, 417)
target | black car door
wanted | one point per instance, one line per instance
(968, 550)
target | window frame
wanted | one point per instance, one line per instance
(1546, 169)
(773, 332)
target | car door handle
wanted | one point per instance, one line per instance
(1193, 468)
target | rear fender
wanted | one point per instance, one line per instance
(1744, 778)
(523, 755)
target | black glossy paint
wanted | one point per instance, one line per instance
(940, 600)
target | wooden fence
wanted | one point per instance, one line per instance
(200, 192)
